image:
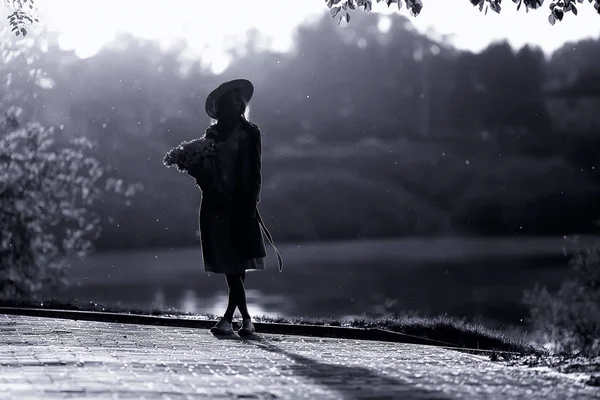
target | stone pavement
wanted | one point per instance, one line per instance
(52, 358)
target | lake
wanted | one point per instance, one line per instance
(464, 277)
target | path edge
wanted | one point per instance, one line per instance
(374, 334)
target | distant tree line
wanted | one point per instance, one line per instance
(399, 134)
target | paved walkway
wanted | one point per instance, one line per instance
(51, 358)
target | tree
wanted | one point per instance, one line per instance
(572, 60)
(499, 88)
(47, 191)
(569, 318)
(41, 188)
(340, 9)
(48, 184)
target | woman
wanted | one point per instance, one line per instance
(231, 227)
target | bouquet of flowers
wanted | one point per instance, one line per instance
(191, 154)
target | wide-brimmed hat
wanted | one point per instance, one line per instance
(245, 87)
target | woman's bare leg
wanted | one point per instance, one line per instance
(237, 296)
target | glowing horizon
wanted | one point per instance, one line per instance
(208, 37)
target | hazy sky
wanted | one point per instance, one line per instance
(210, 27)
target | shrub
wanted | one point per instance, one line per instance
(46, 190)
(569, 320)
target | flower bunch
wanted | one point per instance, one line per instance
(189, 154)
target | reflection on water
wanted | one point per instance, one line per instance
(159, 299)
(191, 302)
(257, 305)
(370, 279)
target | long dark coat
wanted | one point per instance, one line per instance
(231, 229)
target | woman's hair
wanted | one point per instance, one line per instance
(245, 106)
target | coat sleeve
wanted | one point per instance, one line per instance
(251, 168)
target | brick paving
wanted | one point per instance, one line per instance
(52, 358)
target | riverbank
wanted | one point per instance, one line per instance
(474, 278)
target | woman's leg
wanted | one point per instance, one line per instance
(237, 296)
(242, 303)
(231, 301)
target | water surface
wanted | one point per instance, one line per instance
(464, 277)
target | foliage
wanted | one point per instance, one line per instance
(569, 319)
(345, 191)
(47, 189)
(22, 16)
(346, 147)
(340, 9)
(362, 150)
(49, 180)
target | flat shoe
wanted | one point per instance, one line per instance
(223, 327)
(247, 328)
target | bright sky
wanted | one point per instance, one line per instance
(211, 27)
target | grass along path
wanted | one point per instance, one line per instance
(445, 329)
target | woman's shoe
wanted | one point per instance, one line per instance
(247, 328)
(223, 327)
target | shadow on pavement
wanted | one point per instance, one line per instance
(227, 337)
(351, 382)
(235, 336)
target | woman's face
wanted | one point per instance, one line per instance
(231, 106)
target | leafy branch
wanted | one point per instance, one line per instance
(340, 9)
(48, 189)
(22, 16)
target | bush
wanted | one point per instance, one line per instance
(47, 187)
(569, 320)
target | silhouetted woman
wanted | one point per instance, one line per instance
(226, 163)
